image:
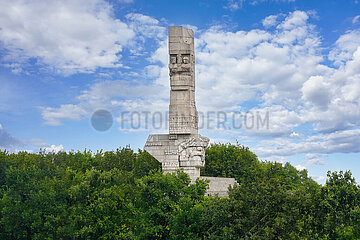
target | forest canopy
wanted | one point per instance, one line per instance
(123, 194)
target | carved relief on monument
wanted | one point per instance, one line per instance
(181, 64)
(172, 59)
(185, 58)
(180, 69)
(193, 151)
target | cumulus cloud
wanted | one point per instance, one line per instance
(347, 141)
(115, 96)
(294, 20)
(271, 65)
(316, 91)
(63, 36)
(270, 21)
(121, 95)
(54, 116)
(145, 27)
(345, 47)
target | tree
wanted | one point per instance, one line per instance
(164, 206)
(337, 205)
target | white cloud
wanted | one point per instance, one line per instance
(356, 19)
(234, 5)
(144, 19)
(274, 121)
(345, 47)
(146, 26)
(121, 95)
(295, 135)
(54, 149)
(315, 90)
(53, 116)
(294, 20)
(319, 179)
(270, 21)
(300, 167)
(337, 142)
(257, 63)
(64, 36)
(115, 96)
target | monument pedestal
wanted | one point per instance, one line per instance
(185, 151)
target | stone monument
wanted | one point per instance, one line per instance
(183, 147)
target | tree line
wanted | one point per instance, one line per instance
(123, 194)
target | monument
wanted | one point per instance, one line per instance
(183, 147)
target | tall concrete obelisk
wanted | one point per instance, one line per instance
(183, 147)
(183, 117)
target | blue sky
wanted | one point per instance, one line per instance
(298, 61)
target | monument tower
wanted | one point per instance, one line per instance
(183, 117)
(183, 147)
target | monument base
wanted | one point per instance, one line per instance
(176, 151)
(218, 186)
(187, 152)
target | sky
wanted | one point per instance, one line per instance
(281, 77)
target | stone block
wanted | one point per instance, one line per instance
(219, 186)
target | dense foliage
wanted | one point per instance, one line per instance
(124, 195)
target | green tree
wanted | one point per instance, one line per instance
(337, 207)
(164, 206)
(227, 160)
